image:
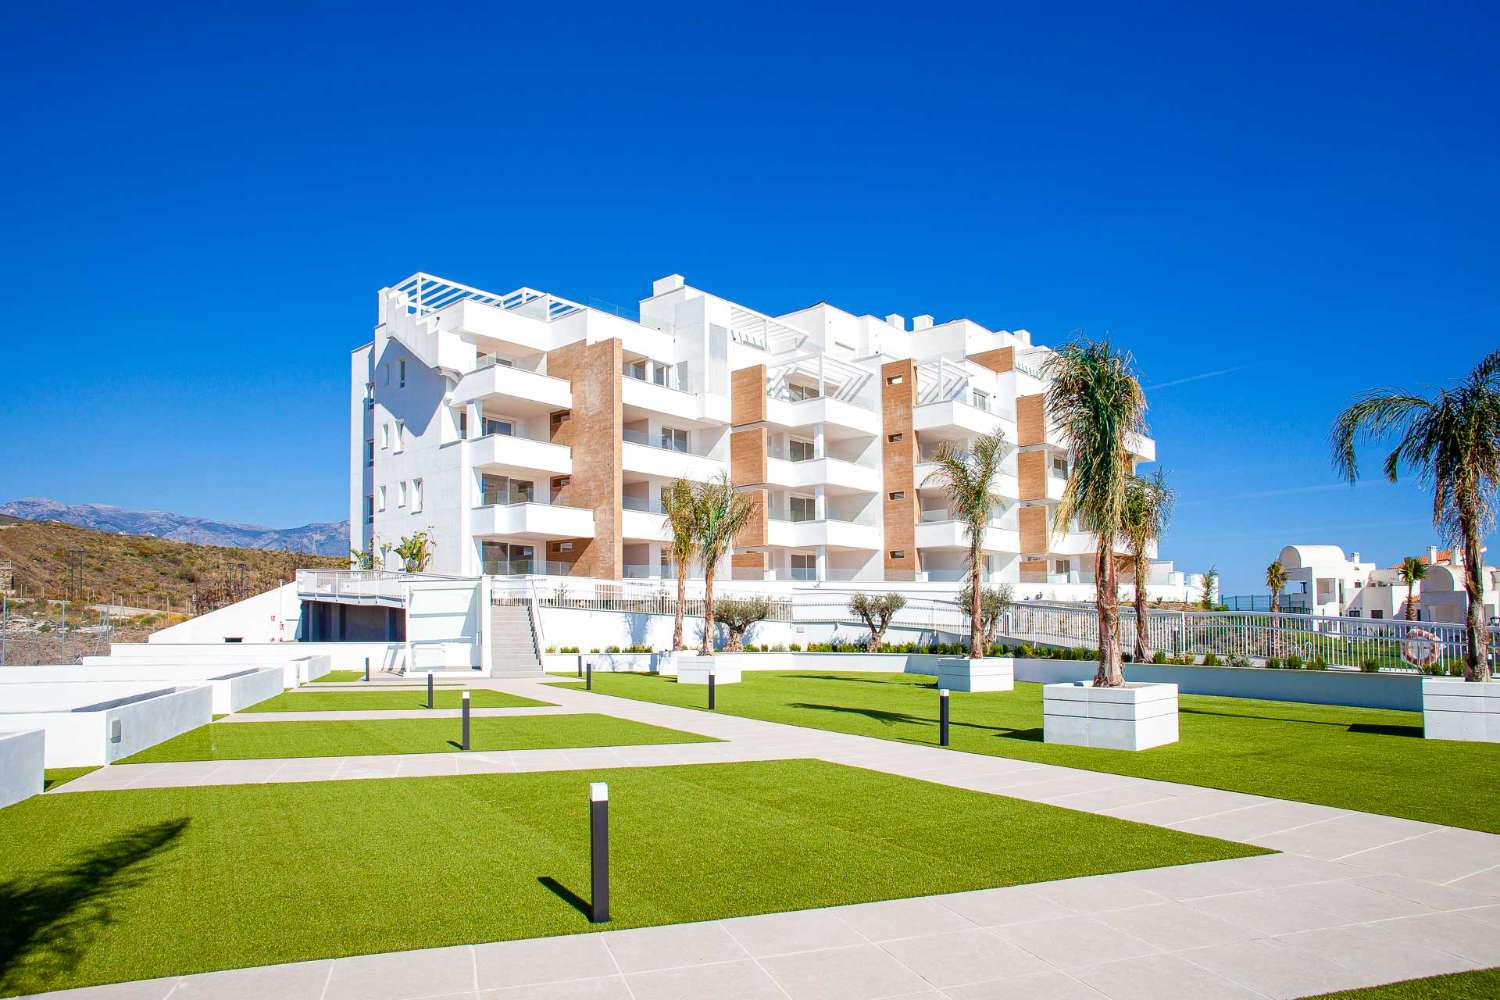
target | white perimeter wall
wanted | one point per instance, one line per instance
(234, 687)
(21, 764)
(269, 617)
(602, 629)
(336, 655)
(82, 738)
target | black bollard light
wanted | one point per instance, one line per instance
(588, 675)
(943, 716)
(599, 852)
(466, 720)
(429, 690)
(710, 685)
(580, 664)
(367, 670)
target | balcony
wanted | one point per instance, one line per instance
(644, 454)
(947, 534)
(530, 519)
(1004, 483)
(954, 415)
(526, 567)
(657, 391)
(785, 411)
(830, 532)
(642, 525)
(520, 390)
(828, 472)
(512, 453)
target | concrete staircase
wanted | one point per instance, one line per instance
(513, 649)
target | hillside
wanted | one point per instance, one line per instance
(329, 538)
(55, 560)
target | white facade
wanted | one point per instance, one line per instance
(460, 414)
(1327, 582)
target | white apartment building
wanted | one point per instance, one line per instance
(1323, 581)
(533, 435)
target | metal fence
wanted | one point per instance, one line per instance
(40, 632)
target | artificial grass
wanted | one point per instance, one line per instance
(261, 740)
(1481, 985)
(1371, 760)
(339, 677)
(368, 701)
(54, 776)
(105, 886)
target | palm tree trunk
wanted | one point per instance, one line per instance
(1477, 664)
(1142, 652)
(1107, 603)
(976, 628)
(1410, 597)
(707, 648)
(681, 603)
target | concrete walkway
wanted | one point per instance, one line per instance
(1355, 899)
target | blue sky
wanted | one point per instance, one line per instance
(1272, 208)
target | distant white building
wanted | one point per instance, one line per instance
(1321, 580)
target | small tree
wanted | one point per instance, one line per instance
(372, 557)
(1276, 583)
(416, 551)
(1413, 571)
(1148, 509)
(967, 478)
(993, 603)
(677, 505)
(719, 512)
(876, 611)
(1210, 584)
(737, 614)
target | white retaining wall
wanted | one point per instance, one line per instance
(270, 617)
(79, 717)
(341, 655)
(234, 687)
(22, 761)
(890, 663)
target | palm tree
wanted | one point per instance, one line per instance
(719, 512)
(1412, 572)
(1452, 441)
(1096, 401)
(1148, 509)
(1276, 583)
(677, 505)
(967, 477)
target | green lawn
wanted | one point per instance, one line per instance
(368, 701)
(1355, 758)
(245, 740)
(1481, 985)
(54, 776)
(105, 886)
(339, 676)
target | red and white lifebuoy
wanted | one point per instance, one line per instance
(1421, 648)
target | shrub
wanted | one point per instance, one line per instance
(550, 649)
(1294, 662)
(594, 650)
(1237, 660)
(1369, 665)
(1317, 663)
(1186, 660)
(1273, 663)
(611, 649)
(1210, 660)
(795, 647)
(1159, 657)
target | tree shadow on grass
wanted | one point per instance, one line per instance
(849, 680)
(565, 894)
(896, 718)
(1380, 729)
(1377, 729)
(49, 920)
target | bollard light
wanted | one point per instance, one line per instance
(599, 852)
(429, 689)
(580, 664)
(588, 674)
(466, 720)
(367, 670)
(943, 716)
(710, 685)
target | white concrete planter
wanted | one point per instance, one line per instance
(694, 670)
(1454, 709)
(995, 673)
(21, 765)
(1133, 717)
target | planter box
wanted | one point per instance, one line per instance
(995, 673)
(694, 670)
(1133, 717)
(21, 754)
(1455, 709)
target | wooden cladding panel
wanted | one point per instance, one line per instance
(1031, 474)
(754, 533)
(898, 382)
(1001, 359)
(747, 395)
(1034, 528)
(1031, 420)
(747, 456)
(593, 431)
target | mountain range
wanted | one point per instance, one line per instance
(327, 538)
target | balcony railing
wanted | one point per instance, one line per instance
(666, 378)
(668, 444)
(506, 498)
(840, 518)
(642, 504)
(526, 567)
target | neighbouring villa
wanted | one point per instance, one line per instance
(1321, 580)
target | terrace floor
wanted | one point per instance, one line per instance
(1352, 899)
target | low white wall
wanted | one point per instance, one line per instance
(269, 617)
(892, 663)
(234, 687)
(22, 761)
(1402, 692)
(79, 733)
(342, 655)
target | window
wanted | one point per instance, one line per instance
(797, 391)
(369, 508)
(400, 434)
(463, 423)
(1060, 468)
(387, 368)
(565, 546)
(385, 435)
(401, 494)
(636, 370)
(659, 373)
(804, 566)
(402, 376)
(1064, 567)
(800, 450)
(1377, 614)
(803, 508)
(369, 395)
(498, 425)
(897, 495)
(380, 498)
(898, 553)
(674, 439)
(982, 400)
(895, 379)
(369, 451)
(893, 438)
(416, 496)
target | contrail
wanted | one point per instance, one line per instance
(1200, 377)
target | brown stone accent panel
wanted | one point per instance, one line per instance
(1038, 566)
(592, 430)
(1031, 420)
(754, 533)
(898, 387)
(1034, 528)
(747, 395)
(747, 456)
(1001, 359)
(1031, 474)
(755, 561)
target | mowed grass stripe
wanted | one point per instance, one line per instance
(1371, 760)
(374, 701)
(110, 886)
(339, 738)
